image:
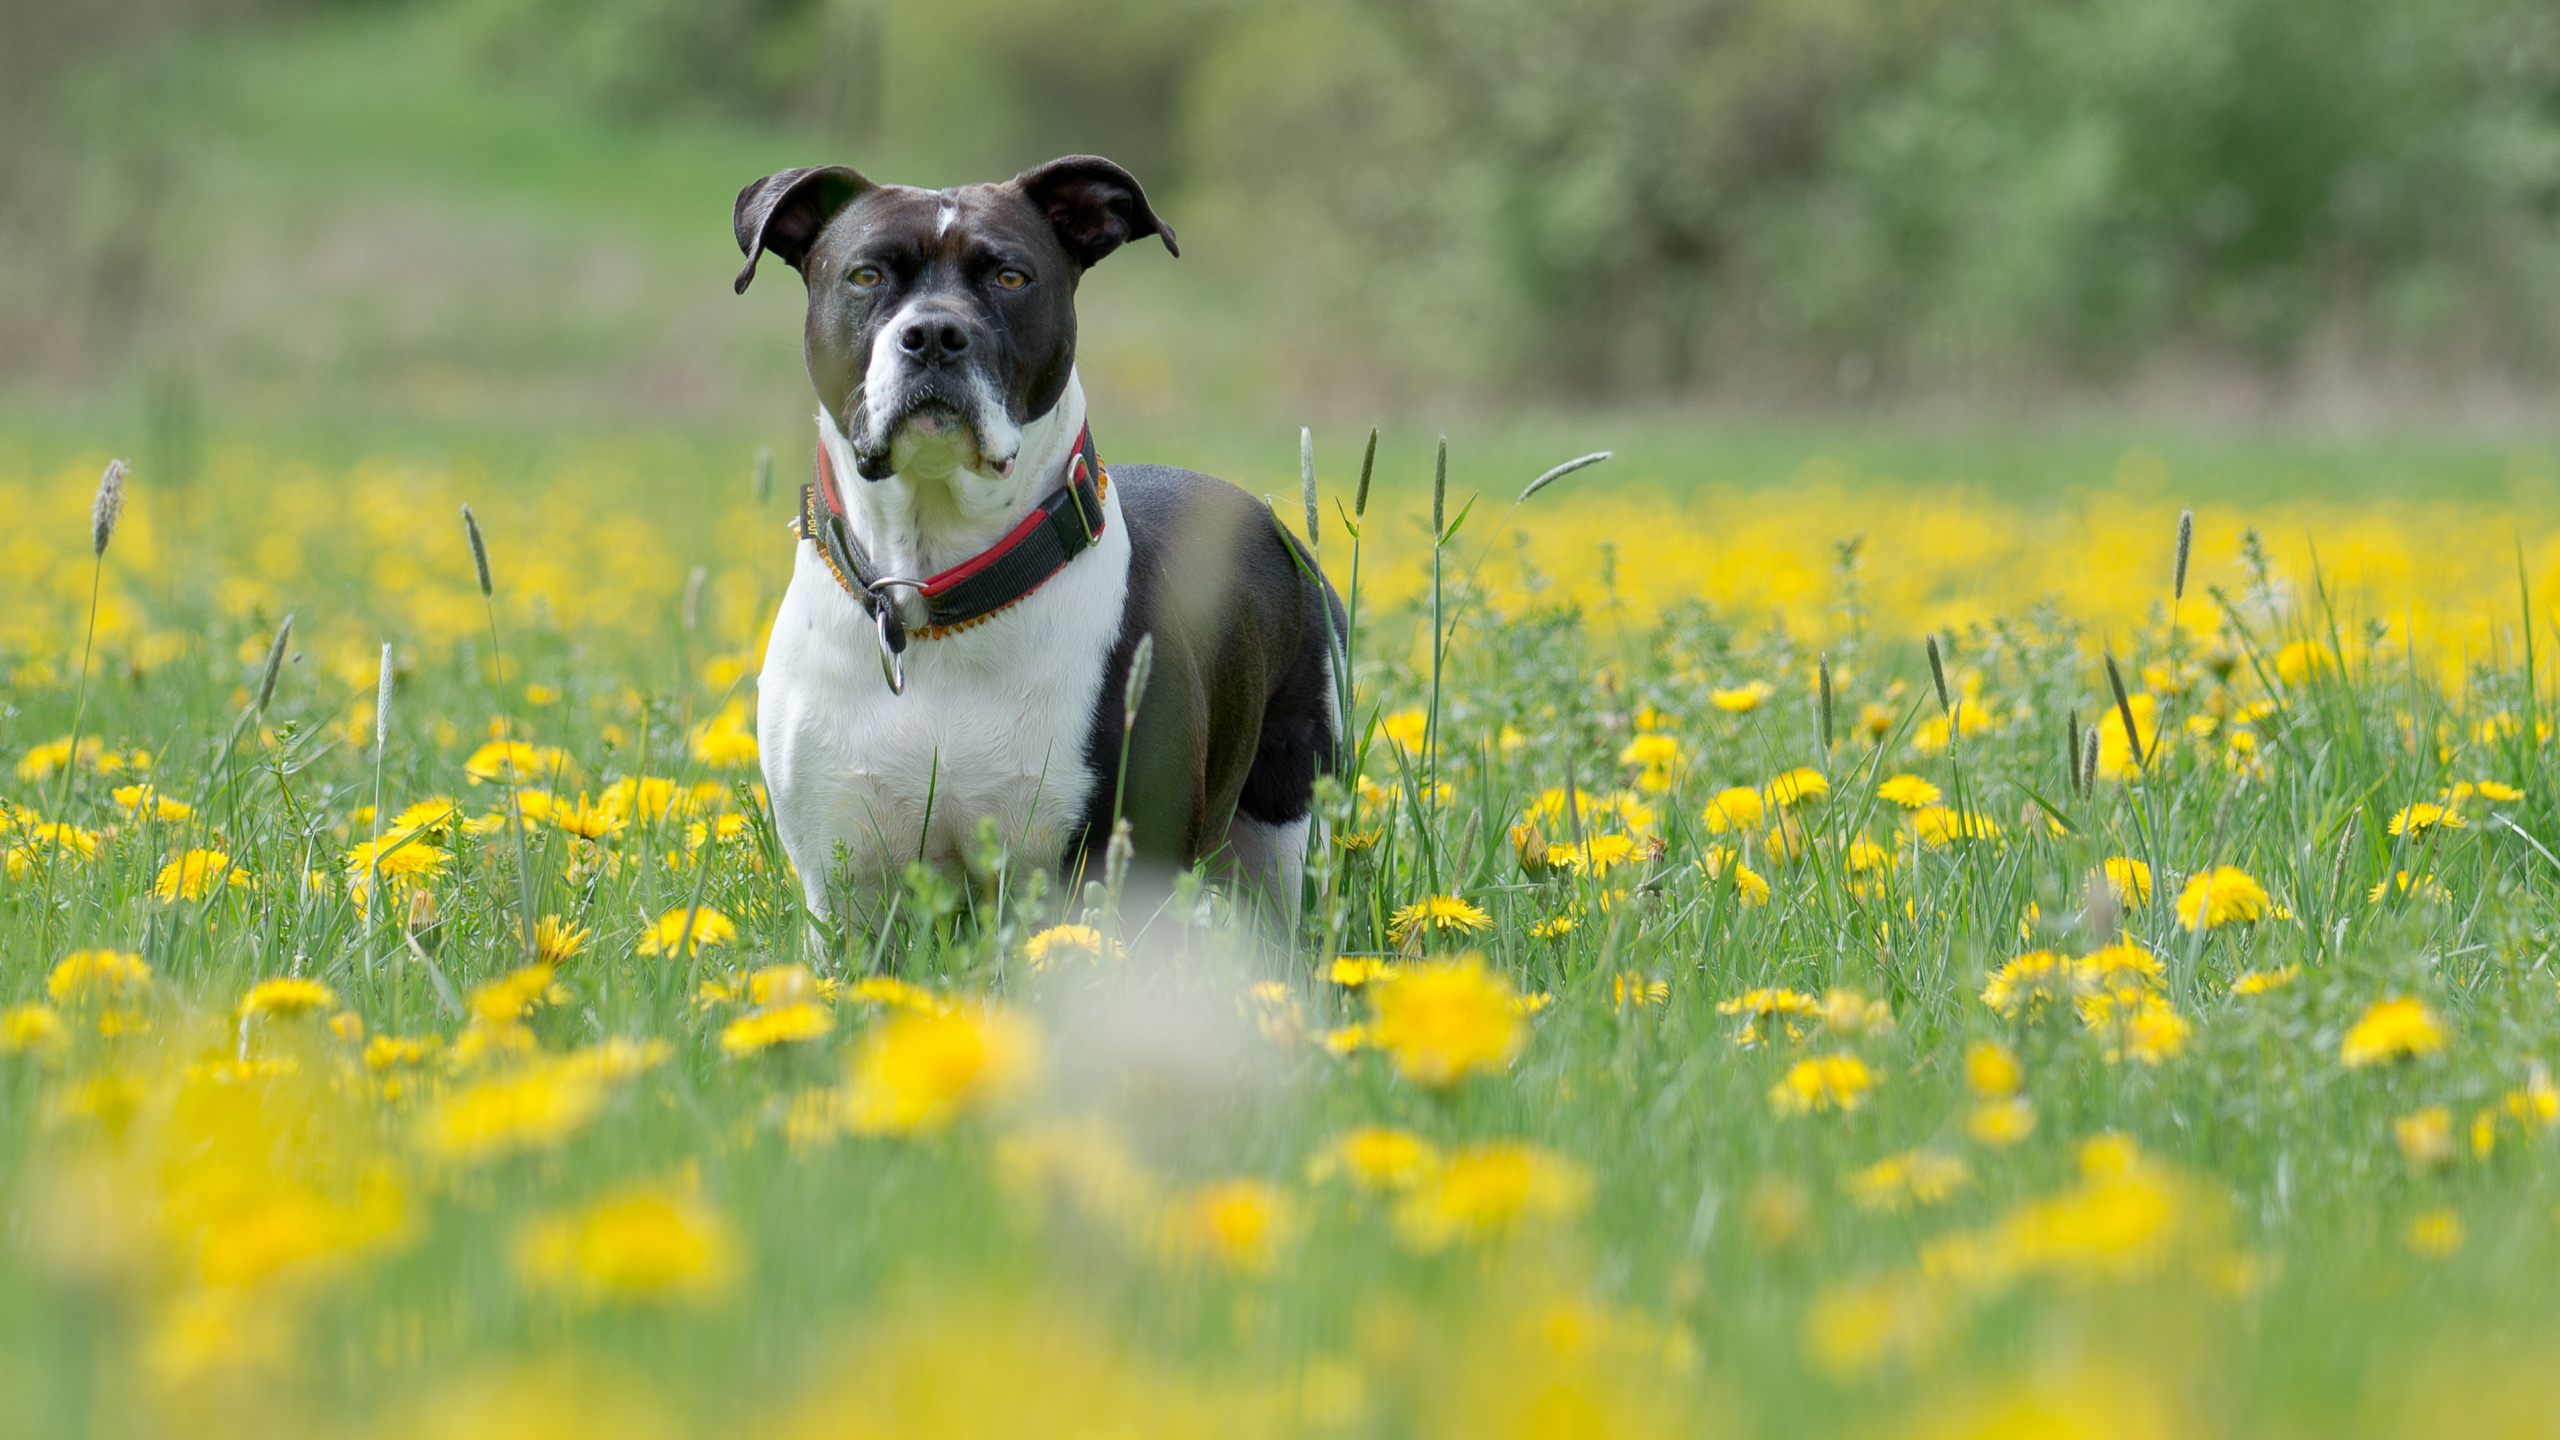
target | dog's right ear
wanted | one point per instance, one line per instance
(784, 211)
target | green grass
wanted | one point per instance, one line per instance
(161, 1278)
(202, 1262)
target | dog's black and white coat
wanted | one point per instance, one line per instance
(941, 337)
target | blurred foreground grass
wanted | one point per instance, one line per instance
(1652, 1061)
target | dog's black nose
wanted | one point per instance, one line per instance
(934, 340)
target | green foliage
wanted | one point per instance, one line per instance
(1652, 192)
(753, 57)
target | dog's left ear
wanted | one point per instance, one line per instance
(784, 211)
(1095, 206)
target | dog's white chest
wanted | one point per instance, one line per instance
(993, 724)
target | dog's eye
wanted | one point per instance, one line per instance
(866, 276)
(1012, 279)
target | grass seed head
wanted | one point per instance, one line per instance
(2124, 712)
(2186, 543)
(1938, 676)
(382, 701)
(107, 508)
(1141, 662)
(479, 550)
(275, 663)
(1440, 488)
(1368, 463)
(2071, 752)
(2089, 761)
(1307, 480)
(1822, 668)
(693, 598)
(1579, 462)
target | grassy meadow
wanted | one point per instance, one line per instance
(1835, 946)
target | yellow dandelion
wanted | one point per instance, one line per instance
(516, 762)
(782, 1025)
(94, 975)
(396, 1052)
(2222, 896)
(2499, 791)
(1443, 913)
(1762, 1003)
(1908, 791)
(1824, 1082)
(2425, 1137)
(1240, 1223)
(722, 827)
(1915, 1177)
(1741, 699)
(194, 874)
(2434, 1234)
(1375, 1157)
(1847, 1012)
(645, 1245)
(1354, 971)
(1797, 786)
(2120, 969)
(1653, 752)
(1598, 854)
(511, 995)
(2261, 982)
(2030, 980)
(893, 993)
(533, 1109)
(436, 812)
(37, 836)
(1939, 826)
(1991, 1070)
(399, 856)
(1735, 808)
(725, 744)
(1628, 989)
(2001, 1123)
(1444, 1021)
(1866, 857)
(2398, 1028)
(32, 1029)
(1750, 887)
(2129, 879)
(584, 818)
(2418, 819)
(671, 936)
(555, 940)
(1486, 1191)
(1406, 728)
(42, 761)
(2301, 660)
(1060, 942)
(286, 997)
(2425, 887)
(647, 797)
(2138, 1026)
(919, 1072)
(145, 802)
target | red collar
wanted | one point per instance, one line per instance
(1056, 531)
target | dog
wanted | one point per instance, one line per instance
(973, 585)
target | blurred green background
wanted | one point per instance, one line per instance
(374, 214)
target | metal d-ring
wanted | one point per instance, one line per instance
(892, 631)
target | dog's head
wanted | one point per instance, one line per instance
(942, 321)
